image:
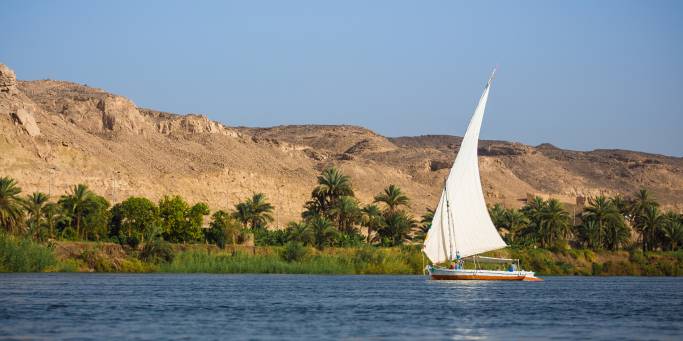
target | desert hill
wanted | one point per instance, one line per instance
(56, 134)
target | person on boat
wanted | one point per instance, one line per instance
(459, 262)
(512, 267)
(452, 266)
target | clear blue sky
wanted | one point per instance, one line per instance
(578, 74)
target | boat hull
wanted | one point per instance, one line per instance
(480, 275)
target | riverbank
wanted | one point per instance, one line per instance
(21, 255)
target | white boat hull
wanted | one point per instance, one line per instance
(480, 275)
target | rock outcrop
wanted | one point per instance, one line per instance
(93, 110)
(8, 81)
(14, 105)
(26, 120)
(167, 123)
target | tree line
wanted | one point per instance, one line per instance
(605, 223)
(333, 216)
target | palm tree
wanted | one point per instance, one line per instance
(609, 220)
(555, 224)
(622, 205)
(332, 185)
(261, 211)
(255, 212)
(424, 226)
(616, 236)
(639, 204)
(346, 212)
(393, 198)
(300, 232)
(601, 210)
(11, 205)
(323, 232)
(641, 200)
(35, 205)
(396, 229)
(649, 224)
(314, 207)
(76, 204)
(372, 219)
(533, 210)
(242, 214)
(515, 221)
(497, 213)
(53, 215)
(427, 217)
(591, 233)
(672, 230)
(420, 233)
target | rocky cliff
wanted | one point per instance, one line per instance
(56, 134)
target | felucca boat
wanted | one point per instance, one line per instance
(462, 229)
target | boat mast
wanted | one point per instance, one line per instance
(451, 229)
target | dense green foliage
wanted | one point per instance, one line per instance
(181, 222)
(134, 220)
(255, 212)
(86, 214)
(11, 205)
(543, 233)
(157, 251)
(294, 252)
(23, 255)
(295, 258)
(601, 263)
(604, 224)
(224, 229)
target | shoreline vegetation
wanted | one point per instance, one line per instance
(81, 231)
(22, 255)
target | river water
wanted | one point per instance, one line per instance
(204, 306)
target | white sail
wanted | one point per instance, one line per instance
(461, 221)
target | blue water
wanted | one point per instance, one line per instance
(169, 306)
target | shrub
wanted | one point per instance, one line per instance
(24, 255)
(636, 256)
(596, 269)
(265, 237)
(368, 255)
(157, 251)
(68, 234)
(294, 252)
(414, 258)
(132, 241)
(133, 265)
(97, 260)
(589, 255)
(67, 265)
(353, 239)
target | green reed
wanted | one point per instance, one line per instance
(24, 255)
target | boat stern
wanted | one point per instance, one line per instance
(532, 278)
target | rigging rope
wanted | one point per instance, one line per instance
(451, 229)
